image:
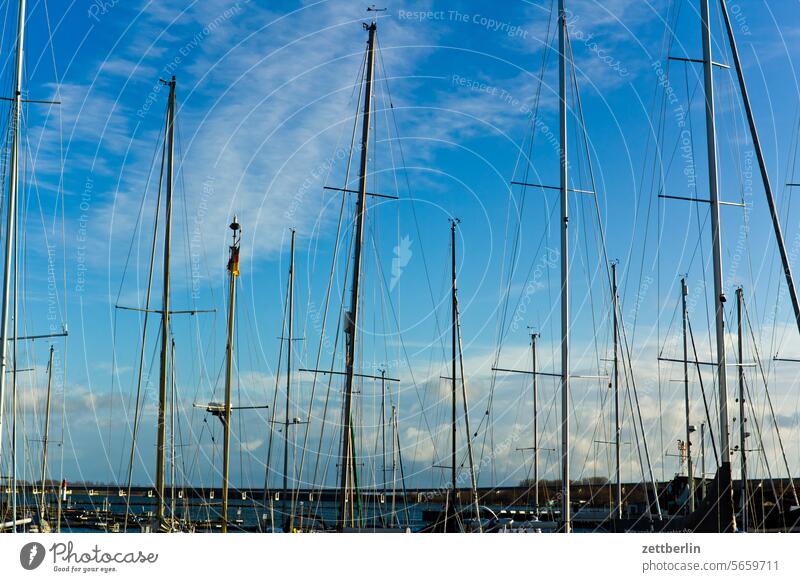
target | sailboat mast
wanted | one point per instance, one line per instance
(453, 470)
(11, 211)
(395, 439)
(689, 466)
(617, 426)
(46, 440)
(467, 431)
(534, 337)
(564, 188)
(742, 419)
(164, 362)
(289, 341)
(762, 165)
(233, 272)
(716, 243)
(383, 428)
(172, 433)
(351, 317)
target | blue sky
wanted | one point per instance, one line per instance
(266, 107)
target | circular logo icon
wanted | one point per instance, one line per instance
(31, 555)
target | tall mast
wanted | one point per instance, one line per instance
(164, 363)
(394, 464)
(454, 314)
(351, 317)
(534, 337)
(617, 427)
(383, 429)
(11, 212)
(564, 187)
(233, 272)
(290, 339)
(719, 288)
(689, 467)
(465, 402)
(742, 419)
(762, 165)
(172, 435)
(46, 439)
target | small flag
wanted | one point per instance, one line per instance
(233, 262)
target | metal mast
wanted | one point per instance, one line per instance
(534, 337)
(454, 331)
(395, 440)
(719, 288)
(465, 402)
(233, 272)
(351, 317)
(383, 429)
(742, 419)
(564, 187)
(11, 212)
(172, 436)
(164, 363)
(617, 427)
(290, 339)
(689, 467)
(762, 165)
(46, 440)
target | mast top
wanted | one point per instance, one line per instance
(374, 24)
(235, 226)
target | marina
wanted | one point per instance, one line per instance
(529, 359)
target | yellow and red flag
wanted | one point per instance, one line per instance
(233, 262)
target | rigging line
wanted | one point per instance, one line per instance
(159, 140)
(703, 391)
(778, 503)
(668, 337)
(240, 437)
(501, 331)
(329, 288)
(411, 199)
(701, 226)
(272, 424)
(404, 350)
(785, 203)
(34, 185)
(332, 444)
(769, 401)
(603, 246)
(144, 324)
(636, 429)
(542, 241)
(467, 434)
(657, 144)
(583, 222)
(501, 328)
(182, 444)
(60, 191)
